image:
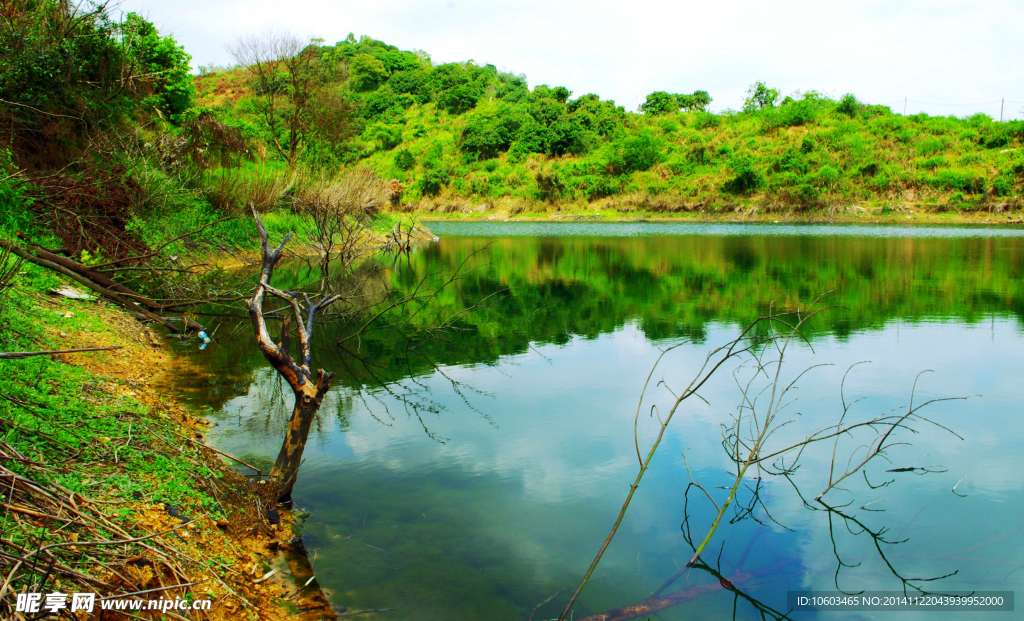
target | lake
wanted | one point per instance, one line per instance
(473, 474)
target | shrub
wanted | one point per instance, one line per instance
(848, 105)
(341, 208)
(869, 170)
(746, 176)
(706, 119)
(231, 192)
(435, 177)
(1002, 186)
(807, 145)
(701, 156)
(386, 136)
(15, 214)
(934, 162)
(959, 180)
(828, 176)
(404, 160)
(807, 193)
(635, 153)
(793, 114)
(930, 145)
(791, 161)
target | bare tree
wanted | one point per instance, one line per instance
(309, 392)
(287, 77)
(342, 211)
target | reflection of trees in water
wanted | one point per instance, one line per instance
(538, 291)
(536, 294)
(265, 411)
(753, 443)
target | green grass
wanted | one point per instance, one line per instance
(66, 416)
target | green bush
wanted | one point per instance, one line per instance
(15, 205)
(1002, 186)
(746, 177)
(848, 105)
(792, 161)
(934, 162)
(435, 177)
(386, 136)
(828, 177)
(959, 180)
(807, 194)
(930, 145)
(793, 114)
(404, 160)
(635, 153)
(704, 120)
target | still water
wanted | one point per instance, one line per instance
(474, 475)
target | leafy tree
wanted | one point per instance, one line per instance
(514, 90)
(415, 82)
(368, 72)
(561, 94)
(760, 97)
(482, 138)
(458, 99)
(435, 177)
(659, 102)
(698, 101)
(581, 102)
(569, 135)
(164, 61)
(67, 71)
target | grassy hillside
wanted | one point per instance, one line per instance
(464, 137)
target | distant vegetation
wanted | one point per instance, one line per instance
(108, 144)
(461, 133)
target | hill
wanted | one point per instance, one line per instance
(465, 137)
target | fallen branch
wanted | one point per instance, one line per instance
(355, 613)
(17, 355)
(232, 457)
(127, 303)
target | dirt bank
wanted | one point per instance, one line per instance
(96, 452)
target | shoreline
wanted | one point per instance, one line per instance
(132, 452)
(895, 218)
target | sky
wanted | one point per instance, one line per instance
(934, 53)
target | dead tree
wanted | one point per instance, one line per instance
(309, 391)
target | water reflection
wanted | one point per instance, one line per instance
(510, 507)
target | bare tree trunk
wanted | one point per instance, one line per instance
(308, 393)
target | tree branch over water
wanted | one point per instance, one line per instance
(765, 409)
